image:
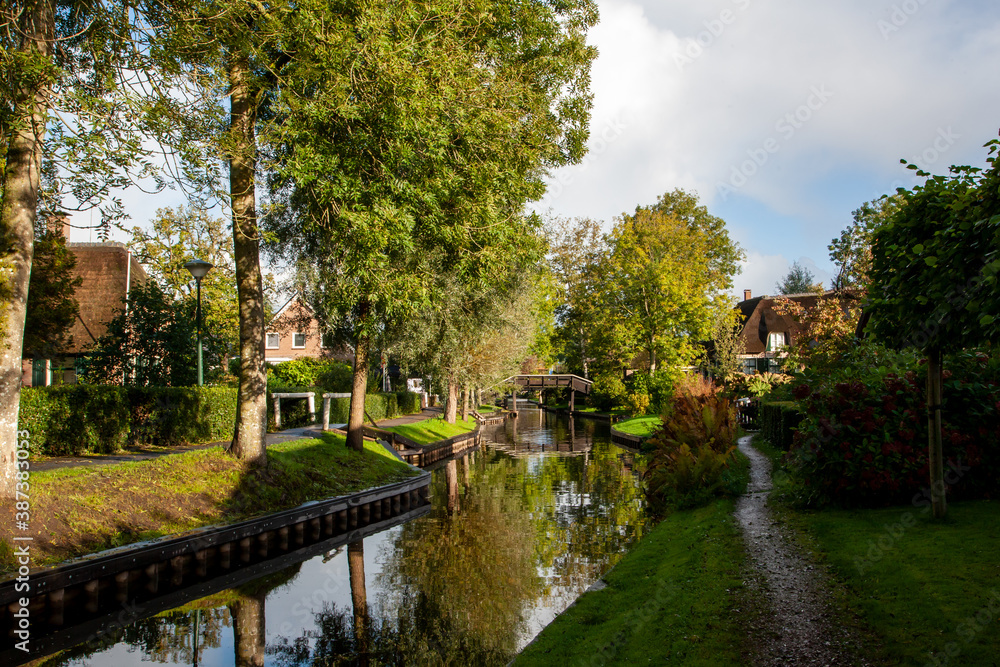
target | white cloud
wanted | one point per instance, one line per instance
(859, 97)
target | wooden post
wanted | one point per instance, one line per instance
(326, 413)
(572, 400)
(939, 503)
(277, 412)
(513, 399)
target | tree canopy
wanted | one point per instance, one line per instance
(799, 280)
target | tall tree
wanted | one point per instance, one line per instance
(851, 252)
(576, 250)
(420, 127)
(178, 234)
(798, 280)
(663, 279)
(67, 106)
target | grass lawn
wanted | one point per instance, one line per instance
(82, 510)
(641, 426)
(486, 409)
(926, 588)
(669, 601)
(431, 430)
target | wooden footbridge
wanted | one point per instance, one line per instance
(551, 381)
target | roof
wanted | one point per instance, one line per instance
(104, 268)
(760, 319)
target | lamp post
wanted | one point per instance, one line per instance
(199, 268)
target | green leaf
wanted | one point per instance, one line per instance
(986, 320)
(919, 248)
(931, 261)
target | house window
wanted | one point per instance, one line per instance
(326, 340)
(775, 341)
(273, 341)
(298, 341)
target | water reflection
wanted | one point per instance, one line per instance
(517, 531)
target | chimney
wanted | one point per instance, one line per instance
(746, 295)
(58, 223)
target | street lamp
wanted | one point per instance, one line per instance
(199, 268)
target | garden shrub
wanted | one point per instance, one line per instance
(863, 440)
(637, 404)
(662, 385)
(778, 419)
(378, 406)
(607, 392)
(692, 452)
(101, 419)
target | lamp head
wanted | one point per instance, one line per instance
(198, 267)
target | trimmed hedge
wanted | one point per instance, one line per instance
(778, 420)
(101, 419)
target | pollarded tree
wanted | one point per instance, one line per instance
(666, 269)
(934, 280)
(421, 127)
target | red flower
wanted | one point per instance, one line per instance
(848, 455)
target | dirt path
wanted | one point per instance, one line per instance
(796, 627)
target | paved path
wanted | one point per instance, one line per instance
(141, 454)
(797, 627)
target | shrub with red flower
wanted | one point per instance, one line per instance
(863, 440)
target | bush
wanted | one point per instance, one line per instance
(101, 419)
(607, 392)
(863, 441)
(778, 419)
(637, 404)
(692, 452)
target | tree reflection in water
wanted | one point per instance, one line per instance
(511, 539)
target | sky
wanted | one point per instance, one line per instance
(783, 116)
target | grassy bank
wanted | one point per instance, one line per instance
(82, 510)
(431, 430)
(669, 601)
(642, 427)
(929, 589)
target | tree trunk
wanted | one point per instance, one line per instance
(451, 403)
(465, 403)
(359, 596)
(22, 180)
(251, 402)
(249, 630)
(356, 419)
(939, 503)
(652, 357)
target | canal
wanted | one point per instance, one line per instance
(517, 530)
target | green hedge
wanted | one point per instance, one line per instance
(101, 419)
(777, 421)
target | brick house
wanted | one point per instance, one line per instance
(294, 332)
(108, 271)
(765, 333)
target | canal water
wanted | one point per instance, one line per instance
(516, 532)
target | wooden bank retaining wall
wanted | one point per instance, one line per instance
(122, 576)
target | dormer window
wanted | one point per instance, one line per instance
(776, 341)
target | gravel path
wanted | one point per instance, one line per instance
(796, 627)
